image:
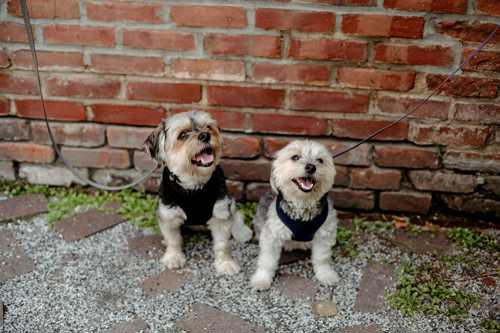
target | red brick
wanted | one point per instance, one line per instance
(375, 179)
(85, 86)
(236, 189)
(255, 191)
(243, 45)
(255, 170)
(4, 60)
(206, 69)
(79, 35)
(436, 6)
(383, 25)
(158, 39)
(400, 105)
(411, 202)
(413, 54)
(359, 129)
(112, 63)
(56, 110)
(127, 137)
(442, 181)
(7, 171)
(26, 152)
(479, 113)
(345, 2)
(360, 156)
(13, 33)
(97, 158)
(342, 176)
(450, 135)
(245, 96)
(164, 92)
(286, 124)
(472, 204)
(472, 161)
(329, 101)
(142, 161)
(483, 61)
(282, 19)
(85, 135)
(488, 7)
(241, 147)
(403, 156)
(49, 9)
(12, 129)
(48, 60)
(468, 31)
(272, 145)
(4, 107)
(327, 49)
(125, 11)
(127, 114)
(227, 120)
(291, 73)
(208, 16)
(464, 86)
(349, 199)
(369, 78)
(18, 84)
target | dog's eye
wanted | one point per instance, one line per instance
(183, 135)
(320, 160)
(295, 157)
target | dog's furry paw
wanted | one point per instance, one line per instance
(261, 281)
(174, 260)
(227, 267)
(327, 276)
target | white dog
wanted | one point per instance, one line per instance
(302, 215)
(193, 189)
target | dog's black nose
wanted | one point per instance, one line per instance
(310, 168)
(204, 137)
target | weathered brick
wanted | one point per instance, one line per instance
(49, 60)
(12, 129)
(49, 9)
(342, 177)
(305, 21)
(375, 179)
(243, 45)
(227, 120)
(405, 156)
(359, 128)
(492, 184)
(482, 61)
(255, 191)
(286, 124)
(255, 170)
(5, 61)
(405, 201)
(369, 78)
(205, 69)
(85, 135)
(241, 146)
(468, 31)
(158, 40)
(359, 157)
(442, 181)
(327, 49)
(449, 135)
(127, 114)
(349, 199)
(11, 32)
(109, 11)
(464, 86)
(4, 107)
(112, 63)
(86, 86)
(49, 174)
(400, 105)
(18, 84)
(436, 6)
(164, 92)
(245, 96)
(127, 137)
(488, 7)
(236, 189)
(344, 2)
(413, 54)
(383, 25)
(7, 171)
(26, 152)
(472, 161)
(271, 145)
(328, 101)
(291, 73)
(56, 110)
(143, 161)
(97, 158)
(479, 113)
(472, 204)
(208, 16)
(79, 35)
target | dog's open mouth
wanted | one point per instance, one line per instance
(204, 158)
(305, 184)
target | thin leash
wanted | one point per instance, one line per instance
(29, 31)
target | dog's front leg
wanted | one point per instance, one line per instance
(170, 220)
(267, 264)
(321, 260)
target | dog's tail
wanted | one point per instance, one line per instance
(241, 232)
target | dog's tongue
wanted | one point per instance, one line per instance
(306, 183)
(205, 158)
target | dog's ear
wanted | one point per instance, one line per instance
(274, 187)
(152, 143)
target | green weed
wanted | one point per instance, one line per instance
(248, 209)
(490, 326)
(472, 239)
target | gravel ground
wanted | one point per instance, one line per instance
(92, 284)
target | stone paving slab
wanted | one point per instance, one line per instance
(85, 224)
(22, 206)
(203, 318)
(164, 282)
(1, 314)
(324, 309)
(376, 279)
(297, 288)
(147, 247)
(361, 329)
(13, 260)
(134, 326)
(423, 242)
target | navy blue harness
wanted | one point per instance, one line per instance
(303, 231)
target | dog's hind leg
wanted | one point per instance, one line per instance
(170, 220)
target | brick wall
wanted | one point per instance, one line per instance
(269, 71)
